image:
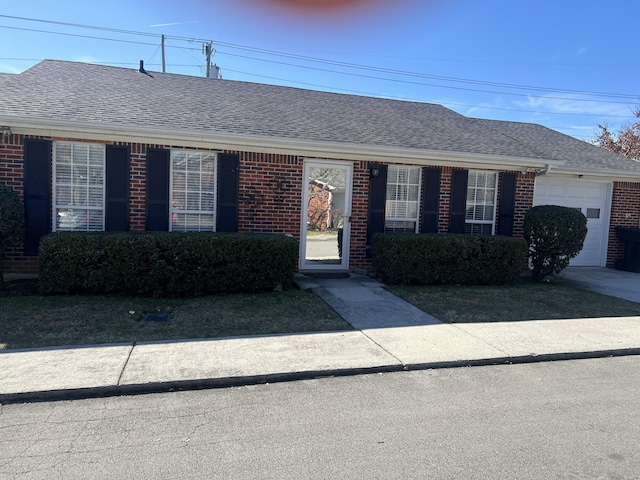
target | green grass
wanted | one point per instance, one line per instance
(28, 320)
(35, 321)
(522, 301)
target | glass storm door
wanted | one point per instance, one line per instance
(326, 215)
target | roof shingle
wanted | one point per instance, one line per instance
(95, 94)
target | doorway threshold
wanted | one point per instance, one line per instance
(328, 274)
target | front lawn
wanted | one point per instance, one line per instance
(35, 321)
(523, 301)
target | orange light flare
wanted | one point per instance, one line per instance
(321, 7)
(339, 12)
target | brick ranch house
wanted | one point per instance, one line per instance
(92, 147)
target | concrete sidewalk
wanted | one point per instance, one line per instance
(416, 341)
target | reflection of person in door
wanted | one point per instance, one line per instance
(337, 222)
(174, 207)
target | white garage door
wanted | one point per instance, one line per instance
(593, 199)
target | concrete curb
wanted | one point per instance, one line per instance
(227, 382)
(524, 359)
(186, 385)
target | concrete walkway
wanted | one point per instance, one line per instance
(364, 303)
(390, 336)
(607, 281)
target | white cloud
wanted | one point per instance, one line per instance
(172, 24)
(86, 59)
(575, 104)
(581, 51)
(4, 68)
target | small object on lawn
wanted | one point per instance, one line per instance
(156, 317)
(132, 312)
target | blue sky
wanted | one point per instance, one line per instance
(566, 64)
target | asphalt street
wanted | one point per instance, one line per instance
(577, 419)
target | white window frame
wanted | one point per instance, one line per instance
(416, 219)
(176, 209)
(475, 187)
(75, 207)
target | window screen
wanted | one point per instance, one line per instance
(403, 197)
(481, 202)
(193, 189)
(79, 172)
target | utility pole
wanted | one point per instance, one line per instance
(208, 49)
(162, 48)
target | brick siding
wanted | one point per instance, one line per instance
(270, 195)
(625, 212)
(524, 201)
(12, 174)
(270, 198)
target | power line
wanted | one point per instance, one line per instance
(327, 87)
(424, 75)
(106, 63)
(76, 35)
(79, 25)
(330, 62)
(408, 99)
(340, 64)
(411, 82)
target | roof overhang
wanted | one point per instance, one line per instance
(598, 174)
(263, 144)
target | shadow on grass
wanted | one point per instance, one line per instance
(507, 303)
(28, 320)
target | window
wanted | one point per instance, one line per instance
(193, 191)
(78, 172)
(403, 196)
(593, 213)
(481, 203)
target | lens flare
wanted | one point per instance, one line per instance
(320, 6)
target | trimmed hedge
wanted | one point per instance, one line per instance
(555, 235)
(448, 259)
(152, 264)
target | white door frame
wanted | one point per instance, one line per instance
(305, 265)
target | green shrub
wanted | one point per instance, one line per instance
(555, 235)
(11, 222)
(448, 259)
(151, 264)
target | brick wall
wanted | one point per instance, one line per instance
(524, 201)
(12, 174)
(359, 214)
(137, 187)
(625, 212)
(11, 163)
(270, 198)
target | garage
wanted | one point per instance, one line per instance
(594, 201)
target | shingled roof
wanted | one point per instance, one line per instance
(89, 94)
(574, 154)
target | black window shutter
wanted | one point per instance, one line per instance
(458, 207)
(430, 199)
(507, 203)
(117, 187)
(227, 198)
(157, 190)
(37, 192)
(377, 206)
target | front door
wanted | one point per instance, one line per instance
(326, 215)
